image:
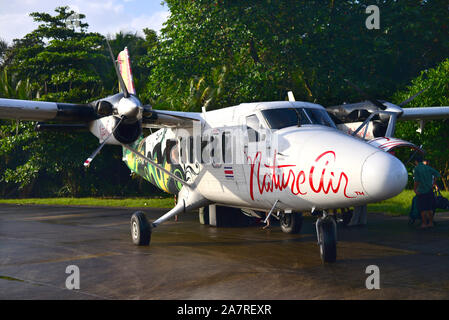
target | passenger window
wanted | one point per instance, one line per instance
(191, 160)
(226, 147)
(171, 152)
(252, 126)
(212, 144)
(205, 149)
(182, 150)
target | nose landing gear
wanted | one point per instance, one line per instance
(326, 230)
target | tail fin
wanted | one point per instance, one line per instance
(125, 70)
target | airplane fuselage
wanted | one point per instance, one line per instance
(255, 154)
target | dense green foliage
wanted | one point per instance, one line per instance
(309, 47)
(435, 136)
(57, 63)
(216, 53)
(399, 205)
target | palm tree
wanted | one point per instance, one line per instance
(3, 48)
(12, 88)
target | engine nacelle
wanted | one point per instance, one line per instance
(373, 130)
(126, 133)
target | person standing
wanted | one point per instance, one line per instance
(424, 179)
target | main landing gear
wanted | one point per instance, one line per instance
(326, 230)
(140, 229)
(291, 222)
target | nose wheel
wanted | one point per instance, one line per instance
(140, 229)
(326, 230)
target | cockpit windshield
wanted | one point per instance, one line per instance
(288, 117)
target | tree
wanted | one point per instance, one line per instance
(270, 47)
(12, 148)
(65, 65)
(3, 48)
(435, 136)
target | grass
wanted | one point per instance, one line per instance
(399, 205)
(162, 202)
(10, 278)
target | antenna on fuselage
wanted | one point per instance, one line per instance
(291, 97)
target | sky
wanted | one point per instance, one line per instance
(105, 17)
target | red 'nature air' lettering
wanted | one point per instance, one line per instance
(287, 178)
(275, 181)
(330, 185)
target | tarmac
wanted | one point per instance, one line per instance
(187, 260)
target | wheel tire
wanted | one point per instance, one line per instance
(140, 229)
(328, 241)
(291, 222)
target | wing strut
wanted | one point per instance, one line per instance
(146, 159)
(271, 211)
(94, 154)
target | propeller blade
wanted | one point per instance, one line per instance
(94, 154)
(403, 103)
(117, 71)
(376, 102)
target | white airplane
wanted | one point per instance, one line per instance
(282, 157)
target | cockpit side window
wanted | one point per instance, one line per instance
(318, 116)
(253, 126)
(287, 117)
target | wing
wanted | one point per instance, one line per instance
(83, 113)
(45, 111)
(425, 113)
(164, 118)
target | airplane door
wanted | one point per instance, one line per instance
(256, 157)
(233, 173)
(223, 179)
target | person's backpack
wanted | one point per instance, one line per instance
(440, 201)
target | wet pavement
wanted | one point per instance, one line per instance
(187, 260)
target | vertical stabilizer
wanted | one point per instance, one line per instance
(125, 70)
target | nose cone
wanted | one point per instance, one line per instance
(129, 107)
(383, 176)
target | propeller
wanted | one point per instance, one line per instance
(381, 105)
(376, 102)
(123, 106)
(392, 111)
(407, 101)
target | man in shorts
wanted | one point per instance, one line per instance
(424, 177)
